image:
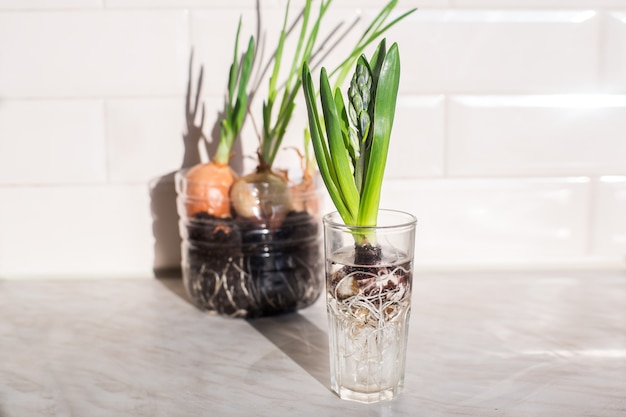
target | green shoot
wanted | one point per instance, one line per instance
(375, 29)
(278, 109)
(351, 142)
(275, 127)
(237, 100)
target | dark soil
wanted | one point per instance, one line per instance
(238, 268)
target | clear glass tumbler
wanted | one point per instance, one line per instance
(369, 276)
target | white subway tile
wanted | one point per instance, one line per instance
(213, 36)
(538, 4)
(537, 135)
(417, 141)
(52, 141)
(145, 138)
(615, 52)
(498, 51)
(93, 53)
(495, 221)
(213, 40)
(209, 26)
(609, 223)
(81, 231)
(49, 4)
(416, 148)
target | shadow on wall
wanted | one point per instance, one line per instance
(167, 238)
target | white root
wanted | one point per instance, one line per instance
(374, 298)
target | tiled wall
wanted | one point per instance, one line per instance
(509, 144)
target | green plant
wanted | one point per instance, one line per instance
(216, 175)
(274, 127)
(248, 192)
(278, 109)
(351, 142)
(374, 30)
(237, 100)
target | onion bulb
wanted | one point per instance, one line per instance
(207, 191)
(262, 197)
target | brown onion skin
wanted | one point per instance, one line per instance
(208, 187)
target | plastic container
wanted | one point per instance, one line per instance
(252, 266)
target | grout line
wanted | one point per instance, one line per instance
(94, 98)
(133, 182)
(78, 184)
(103, 7)
(62, 185)
(485, 178)
(446, 94)
(452, 6)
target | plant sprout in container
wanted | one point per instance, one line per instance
(264, 196)
(369, 252)
(252, 245)
(209, 183)
(277, 111)
(212, 258)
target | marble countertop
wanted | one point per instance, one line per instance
(481, 344)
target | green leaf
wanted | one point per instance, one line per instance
(376, 62)
(275, 129)
(241, 105)
(384, 112)
(237, 101)
(345, 128)
(338, 153)
(234, 67)
(322, 154)
(373, 32)
(297, 59)
(278, 56)
(351, 177)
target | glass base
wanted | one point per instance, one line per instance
(366, 397)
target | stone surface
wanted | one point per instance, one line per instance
(481, 344)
